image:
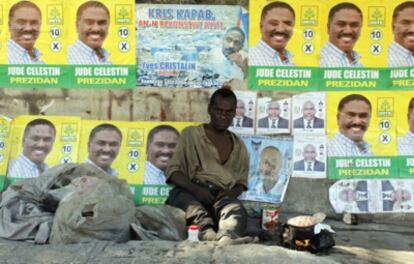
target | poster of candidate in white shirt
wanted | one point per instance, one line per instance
(195, 46)
(269, 168)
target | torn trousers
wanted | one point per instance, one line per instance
(227, 216)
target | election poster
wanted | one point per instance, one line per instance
(4, 148)
(354, 52)
(405, 133)
(273, 116)
(245, 117)
(309, 113)
(367, 50)
(137, 152)
(32, 43)
(365, 41)
(160, 142)
(41, 142)
(116, 147)
(284, 44)
(362, 140)
(400, 49)
(42, 41)
(353, 196)
(309, 156)
(196, 46)
(100, 43)
(372, 196)
(269, 169)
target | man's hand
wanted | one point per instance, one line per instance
(239, 60)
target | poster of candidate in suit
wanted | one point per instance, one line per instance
(397, 196)
(353, 196)
(243, 121)
(309, 113)
(309, 157)
(372, 196)
(273, 116)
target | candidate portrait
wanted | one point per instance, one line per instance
(92, 25)
(273, 118)
(406, 142)
(229, 61)
(161, 144)
(353, 119)
(400, 52)
(269, 172)
(240, 119)
(104, 144)
(358, 196)
(38, 139)
(309, 119)
(309, 162)
(25, 20)
(276, 27)
(344, 28)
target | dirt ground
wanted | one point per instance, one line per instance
(362, 243)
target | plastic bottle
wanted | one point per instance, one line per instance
(193, 233)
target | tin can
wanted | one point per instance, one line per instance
(269, 219)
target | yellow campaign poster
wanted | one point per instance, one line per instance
(301, 32)
(33, 24)
(101, 43)
(40, 40)
(41, 142)
(3, 29)
(4, 148)
(283, 34)
(160, 143)
(400, 46)
(117, 147)
(366, 37)
(404, 109)
(87, 21)
(405, 132)
(120, 148)
(362, 135)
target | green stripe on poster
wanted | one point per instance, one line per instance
(150, 194)
(68, 76)
(362, 167)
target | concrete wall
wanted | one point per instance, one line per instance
(138, 104)
(143, 103)
(161, 104)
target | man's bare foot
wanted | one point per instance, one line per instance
(225, 240)
(207, 235)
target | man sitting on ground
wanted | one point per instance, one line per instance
(209, 170)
